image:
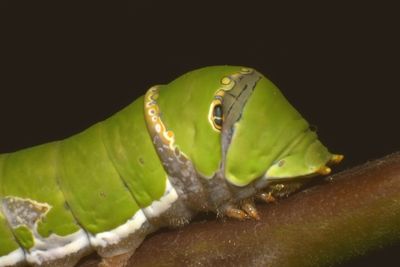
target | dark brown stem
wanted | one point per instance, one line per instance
(354, 212)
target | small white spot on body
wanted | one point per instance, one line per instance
(185, 173)
(158, 127)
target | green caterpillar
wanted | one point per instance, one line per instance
(211, 140)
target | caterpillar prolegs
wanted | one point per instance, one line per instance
(211, 140)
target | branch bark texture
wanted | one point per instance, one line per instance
(352, 213)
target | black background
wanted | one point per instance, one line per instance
(65, 66)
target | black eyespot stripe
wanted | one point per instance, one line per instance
(218, 121)
(217, 112)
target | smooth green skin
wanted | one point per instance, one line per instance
(268, 131)
(91, 185)
(24, 236)
(30, 174)
(133, 153)
(184, 104)
(306, 158)
(8, 242)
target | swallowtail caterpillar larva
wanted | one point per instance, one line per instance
(214, 139)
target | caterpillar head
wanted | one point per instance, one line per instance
(235, 126)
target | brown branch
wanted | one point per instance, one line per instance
(356, 212)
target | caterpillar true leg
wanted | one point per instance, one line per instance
(248, 206)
